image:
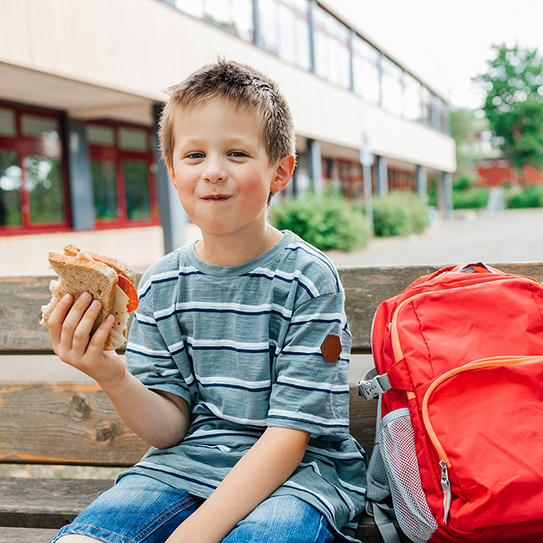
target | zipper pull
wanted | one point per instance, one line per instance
(446, 487)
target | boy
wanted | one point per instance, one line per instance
(237, 357)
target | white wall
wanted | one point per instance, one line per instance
(27, 255)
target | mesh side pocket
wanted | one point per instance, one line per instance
(378, 487)
(398, 450)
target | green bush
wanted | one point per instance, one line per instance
(528, 197)
(399, 214)
(464, 182)
(324, 221)
(467, 196)
(470, 198)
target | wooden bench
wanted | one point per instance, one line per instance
(72, 423)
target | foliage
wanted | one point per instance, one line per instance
(467, 196)
(470, 198)
(514, 103)
(399, 214)
(324, 221)
(528, 197)
(464, 183)
(466, 128)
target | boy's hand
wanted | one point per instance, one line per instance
(70, 325)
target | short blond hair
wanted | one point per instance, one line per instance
(245, 88)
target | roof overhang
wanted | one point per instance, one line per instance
(79, 99)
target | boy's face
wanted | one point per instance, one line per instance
(221, 170)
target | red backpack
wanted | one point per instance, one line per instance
(459, 372)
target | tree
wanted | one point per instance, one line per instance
(514, 103)
(467, 129)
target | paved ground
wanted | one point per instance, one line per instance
(506, 236)
(509, 236)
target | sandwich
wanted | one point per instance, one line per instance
(110, 281)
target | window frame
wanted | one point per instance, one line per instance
(117, 155)
(25, 145)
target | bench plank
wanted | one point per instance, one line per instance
(75, 424)
(52, 503)
(26, 535)
(21, 299)
(46, 503)
(64, 423)
(49, 504)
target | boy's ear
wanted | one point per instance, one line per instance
(171, 173)
(283, 173)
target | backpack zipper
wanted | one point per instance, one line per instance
(444, 462)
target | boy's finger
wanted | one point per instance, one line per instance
(99, 337)
(72, 321)
(57, 317)
(82, 331)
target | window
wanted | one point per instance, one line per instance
(136, 180)
(235, 16)
(44, 186)
(445, 121)
(32, 179)
(7, 122)
(366, 76)
(11, 182)
(104, 184)
(332, 48)
(401, 179)
(101, 135)
(133, 139)
(426, 107)
(436, 117)
(122, 168)
(412, 98)
(392, 85)
(284, 30)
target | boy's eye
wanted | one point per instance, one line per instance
(195, 155)
(237, 154)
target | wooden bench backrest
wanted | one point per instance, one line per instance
(74, 423)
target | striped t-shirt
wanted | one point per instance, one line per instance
(242, 345)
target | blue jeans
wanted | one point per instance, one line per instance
(142, 509)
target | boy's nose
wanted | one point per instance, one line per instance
(215, 171)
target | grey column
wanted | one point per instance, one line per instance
(314, 164)
(448, 194)
(79, 174)
(312, 58)
(381, 182)
(257, 33)
(421, 180)
(172, 214)
(444, 195)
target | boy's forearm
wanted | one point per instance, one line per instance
(161, 420)
(263, 469)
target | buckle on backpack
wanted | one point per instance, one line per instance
(373, 384)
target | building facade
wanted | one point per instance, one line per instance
(81, 87)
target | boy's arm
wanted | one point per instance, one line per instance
(160, 419)
(263, 469)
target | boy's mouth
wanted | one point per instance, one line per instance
(216, 197)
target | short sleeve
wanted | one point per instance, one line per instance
(311, 389)
(149, 356)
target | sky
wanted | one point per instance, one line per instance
(447, 40)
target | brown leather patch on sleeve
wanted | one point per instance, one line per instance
(331, 348)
